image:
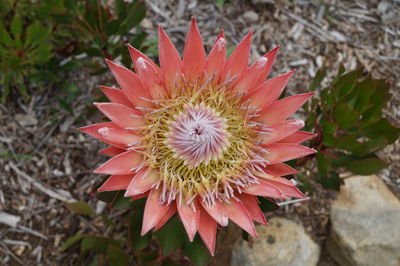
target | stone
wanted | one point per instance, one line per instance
(365, 224)
(283, 242)
(250, 16)
(255, 2)
(26, 120)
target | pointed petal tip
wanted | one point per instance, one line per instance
(109, 63)
(145, 230)
(277, 48)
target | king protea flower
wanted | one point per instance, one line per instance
(201, 136)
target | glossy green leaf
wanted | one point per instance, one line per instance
(375, 144)
(319, 77)
(366, 87)
(170, 236)
(366, 166)
(136, 13)
(72, 240)
(197, 252)
(345, 117)
(80, 207)
(117, 257)
(120, 202)
(324, 164)
(380, 128)
(350, 144)
(137, 241)
(106, 196)
(330, 182)
(36, 34)
(5, 37)
(149, 257)
(16, 26)
(328, 130)
(345, 83)
(245, 235)
(99, 244)
(267, 205)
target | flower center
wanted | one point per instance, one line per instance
(198, 135)
(200, 140)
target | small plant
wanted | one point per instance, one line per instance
(24, 49)
(94, 28)
(35, 37)
(350, 126)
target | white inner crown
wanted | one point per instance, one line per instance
(198, 135)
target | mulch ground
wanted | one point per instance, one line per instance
(45, 161)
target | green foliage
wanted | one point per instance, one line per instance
(99, 29)
(24, 47)
(80, 207)
(35, 37)
(171, 236)
(348, 118)
(197, 252)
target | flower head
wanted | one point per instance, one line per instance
(201, 136)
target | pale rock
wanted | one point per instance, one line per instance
(250, 16)
(365, 224)
(263, 2)
(26, 120)
(283, 242)
(147, 24)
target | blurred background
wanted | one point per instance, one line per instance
(52, 63)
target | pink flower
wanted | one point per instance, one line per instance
(200, 136)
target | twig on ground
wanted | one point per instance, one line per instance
(49, 192)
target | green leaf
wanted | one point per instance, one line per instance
(380, 128)
(99, 244)
(375, 144)
(349, 143)
(136, 240)
(117, 257)
(80, 207)
(344, 116)
(220, 3)
(5, 38)
(16, 26)
(106, 196)
(245, 235)
(111, 27)
(136, 13)
(33, 33)
(23, 91)
(324, 164)
(170, 236)
(366, 166)
(319, 77)
(197, 252)
(328, 131)
(267, 205)
(345, 83)
(149, 257)
(72, 240)
(366, 88)
(138, 39)
(121, 203)
(331, 182)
